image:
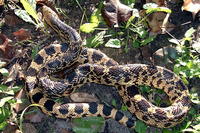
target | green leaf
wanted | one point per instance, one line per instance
(184, 80)
(4, 71)
(96, 40)
(94, 19)
(158, 9)
(129, 21)
(141, 32)
(189, 64)
(35, 51)
(124, 108)
(87, 124)
(140, 127)
(24, 15)
(189, 32)
(2, 63)
(148, 40)
(3, 125)
(88, 27)
(136, 44)
(4, 100)
(4, 113)
(113, 43)
(29, 9)
(3, 88)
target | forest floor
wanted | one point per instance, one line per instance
(17, 56)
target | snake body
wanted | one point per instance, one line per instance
(98, 68)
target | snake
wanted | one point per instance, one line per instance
(96, 67)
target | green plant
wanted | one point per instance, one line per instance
(7, 101)
(188, 63)
(188, 67)
(133, 29)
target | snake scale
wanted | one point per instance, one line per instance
(98, 68)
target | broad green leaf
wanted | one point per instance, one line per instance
(3, 88)
(4, 71)
(4, 100)
(24, 15)
(87, 124)
(4, 113)
(88, 27)
(141, 32)
(113, 43)
(189, 32)
(30, 9)
(3, 125)
(96, 40)
(148, 40)
(94, 19)
(189, 64)
(136, 44)
(140, 127)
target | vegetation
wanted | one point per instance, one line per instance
(187, 63)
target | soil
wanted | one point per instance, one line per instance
(135, 55)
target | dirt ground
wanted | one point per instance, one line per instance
(104, 93)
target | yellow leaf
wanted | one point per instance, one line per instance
(29, 9)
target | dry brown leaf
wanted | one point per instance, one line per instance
(6, 47)
(158, 22)
(19, 96)
(191, 6)
(22, 34)
(83, 97)
(114, 12)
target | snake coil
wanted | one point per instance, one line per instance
(98, 68)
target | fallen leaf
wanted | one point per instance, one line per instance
(22, 34)
(191, 6)
(19, 97)
(114, 12)
(5, 47)
(83, 97)
(158, 21)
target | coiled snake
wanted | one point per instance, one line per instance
(98, 68)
